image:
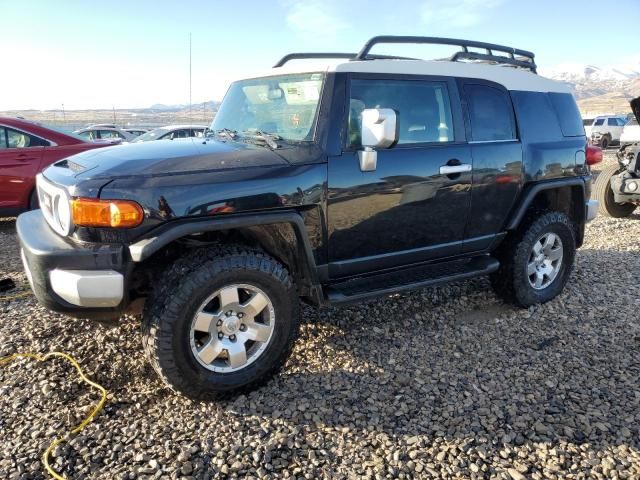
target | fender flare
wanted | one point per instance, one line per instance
(529, 194)
(174, 230)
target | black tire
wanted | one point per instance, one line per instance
(183, 287)
(510, 281)
(604, 194)
(34, 203)
(604, 143)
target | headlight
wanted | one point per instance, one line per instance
(63, 214)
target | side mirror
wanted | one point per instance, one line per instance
(379, 129)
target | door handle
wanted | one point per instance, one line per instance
(452, 169)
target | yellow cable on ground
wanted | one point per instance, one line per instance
(84, 423)
(8, 298)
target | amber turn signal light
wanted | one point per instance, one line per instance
(92, 212)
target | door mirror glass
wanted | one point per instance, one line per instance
(379, 128)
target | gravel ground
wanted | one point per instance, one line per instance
(445, 382)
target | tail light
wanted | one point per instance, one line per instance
(594, 155)
(91, 212)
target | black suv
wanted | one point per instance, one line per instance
(329, 181)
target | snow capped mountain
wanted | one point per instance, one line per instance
(579, 73)
(600, 89)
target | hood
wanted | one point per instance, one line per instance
(635, 108)
(165, 157)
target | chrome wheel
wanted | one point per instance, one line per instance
(232, 328)
(545, 261)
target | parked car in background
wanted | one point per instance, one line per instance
(617, 187)
(171, 132)
(95, 132)
(630, 132)
(136, 131)
(605, 129)
(25, 149)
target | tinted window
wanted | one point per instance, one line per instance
(109, 134)
(16, 139)
(612, 122)
(598, 122)
(586, 123)
(423, 109)
(568, 114)
(3, 138)
(490, 113)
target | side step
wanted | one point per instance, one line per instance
(411, 278)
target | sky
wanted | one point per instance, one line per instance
(132, 54)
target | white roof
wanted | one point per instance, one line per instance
(511, 78)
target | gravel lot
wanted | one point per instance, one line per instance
(445, 382)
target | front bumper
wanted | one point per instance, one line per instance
(81, 281)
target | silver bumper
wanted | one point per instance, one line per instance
(592, 209)
(88, 288)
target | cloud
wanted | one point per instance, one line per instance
(314, 19)
(458, 14)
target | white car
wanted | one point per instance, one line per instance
(99, 132)
(630, 132)
(173, 131)
(605, 130)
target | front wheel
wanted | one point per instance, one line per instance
(603, 192)
(220, 321)
(536, 261)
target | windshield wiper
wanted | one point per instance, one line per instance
(225, 132)
(266, 137)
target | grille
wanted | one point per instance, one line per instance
(51, 198)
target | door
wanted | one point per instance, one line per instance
(497, 160)
(20, 156)
(413, 207)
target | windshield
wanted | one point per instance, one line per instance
(152, 135)
(587, 122)
(285, 105)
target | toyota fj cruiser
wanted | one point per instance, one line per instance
(617, 188)
(332, 179)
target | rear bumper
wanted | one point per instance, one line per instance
(81, 281)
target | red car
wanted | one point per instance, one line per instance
(25, 149)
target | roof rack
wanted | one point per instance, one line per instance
(514, 56)
(349, 56)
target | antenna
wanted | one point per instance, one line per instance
(190, 116)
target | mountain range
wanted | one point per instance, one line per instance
(600, 89)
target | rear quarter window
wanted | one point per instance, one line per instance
(568, 114)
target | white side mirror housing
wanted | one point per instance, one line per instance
(379, 128)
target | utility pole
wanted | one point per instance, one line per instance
(64, 115)
(114, 114)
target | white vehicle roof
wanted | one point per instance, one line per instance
(511, 78)
(176, 127)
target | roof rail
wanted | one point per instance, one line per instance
(350, 56)
(515, 56)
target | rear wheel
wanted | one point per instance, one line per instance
(535, 262)
(220, 321)
(604, 194)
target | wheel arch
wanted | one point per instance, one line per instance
(280, 234)
(563, 195)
